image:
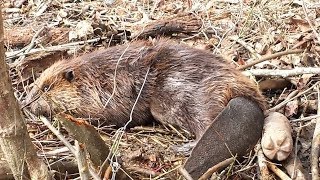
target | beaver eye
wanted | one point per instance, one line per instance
(69, 75)
(45, 88)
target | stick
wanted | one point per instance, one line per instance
(82, 161)
(294, 167)
(306, 118)
(278, 171)
(283, 73)
(272, 56)
(185, 173)
(216, 167)
(262, 163)
(315, 145)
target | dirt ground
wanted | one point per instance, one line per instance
(40, 32)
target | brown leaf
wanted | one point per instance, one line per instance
(291, 108)
(301, 23)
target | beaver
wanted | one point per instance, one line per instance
(172, 83)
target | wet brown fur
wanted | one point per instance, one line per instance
(185, 87)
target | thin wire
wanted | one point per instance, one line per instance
(119, 134)
(114, 77)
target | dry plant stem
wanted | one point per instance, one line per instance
(58, 166)
(217, 167)
(185, 173)
(305, 118)
(42, 7)
(272, 56)
(14, 138)
(283, 73)
(176, 131)
(309, 21)
(316, 145)
(261, 163)
(146, 129)
(280, 105)
(163, 174)
(82, 161)
(278, 171)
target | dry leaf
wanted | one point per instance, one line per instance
(301, 23)
(83, 29)
(291, 108)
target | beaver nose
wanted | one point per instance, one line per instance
(39, 108)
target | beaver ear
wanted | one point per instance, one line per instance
(69, 75)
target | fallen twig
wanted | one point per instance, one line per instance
(262, 163)
(147, 172)
(315, 145)
(294, 167)
(216, 167)
(283, 73)
(163, 174)
(32, 43)
(278, 171)
(271, 56)
(306, 118)
(185, 173)
(82, 161)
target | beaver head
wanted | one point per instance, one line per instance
(65, 86)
